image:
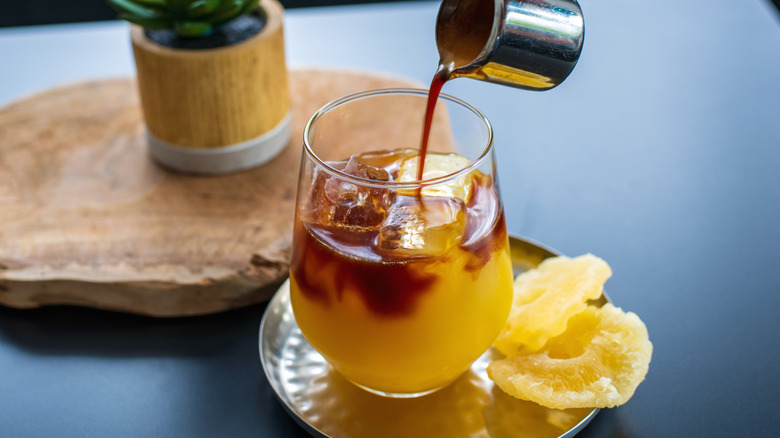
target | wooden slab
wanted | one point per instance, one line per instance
(87, 219)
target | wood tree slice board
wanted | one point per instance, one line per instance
(87, 219)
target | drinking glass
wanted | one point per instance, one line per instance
(399, 283)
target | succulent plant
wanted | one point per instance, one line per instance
(189, 18)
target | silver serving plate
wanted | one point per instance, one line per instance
(327, 405)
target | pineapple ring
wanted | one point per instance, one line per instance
(546, 297)
(599, 361)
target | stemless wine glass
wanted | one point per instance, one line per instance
(399, 283)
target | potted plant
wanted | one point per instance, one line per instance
(212, 81)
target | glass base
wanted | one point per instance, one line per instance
(393, 394)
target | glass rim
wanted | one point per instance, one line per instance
(308, 150)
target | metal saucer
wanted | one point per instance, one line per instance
(327, 405)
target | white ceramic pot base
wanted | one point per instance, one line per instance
(212, 161)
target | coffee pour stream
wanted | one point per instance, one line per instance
(528, 44)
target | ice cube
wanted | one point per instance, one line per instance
(356, 167)
(338, 203)
(423, 226)
(389, 160)
(438, 165)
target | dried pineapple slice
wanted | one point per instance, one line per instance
(599, 361)
(546, 297)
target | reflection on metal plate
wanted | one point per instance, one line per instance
(327, 405)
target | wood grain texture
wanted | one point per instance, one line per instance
(214, 97)
(87, 219)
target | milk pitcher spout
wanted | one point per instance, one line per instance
(529, 44)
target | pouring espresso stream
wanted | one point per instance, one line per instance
(528, 44)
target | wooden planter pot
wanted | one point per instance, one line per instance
(219, 110)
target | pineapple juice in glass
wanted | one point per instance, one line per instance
(399, 282)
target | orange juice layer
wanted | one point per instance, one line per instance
(415, 341)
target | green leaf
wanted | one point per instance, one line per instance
(202, 7)
(192, 28)
(158, 4)
(226, 15)
(131, 8)
(250, 6)
(224, 5)
(180, 4)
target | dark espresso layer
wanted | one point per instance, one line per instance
(331, 258)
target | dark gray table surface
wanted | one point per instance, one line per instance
(659, 154)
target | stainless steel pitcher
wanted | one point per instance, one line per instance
(529, 44)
